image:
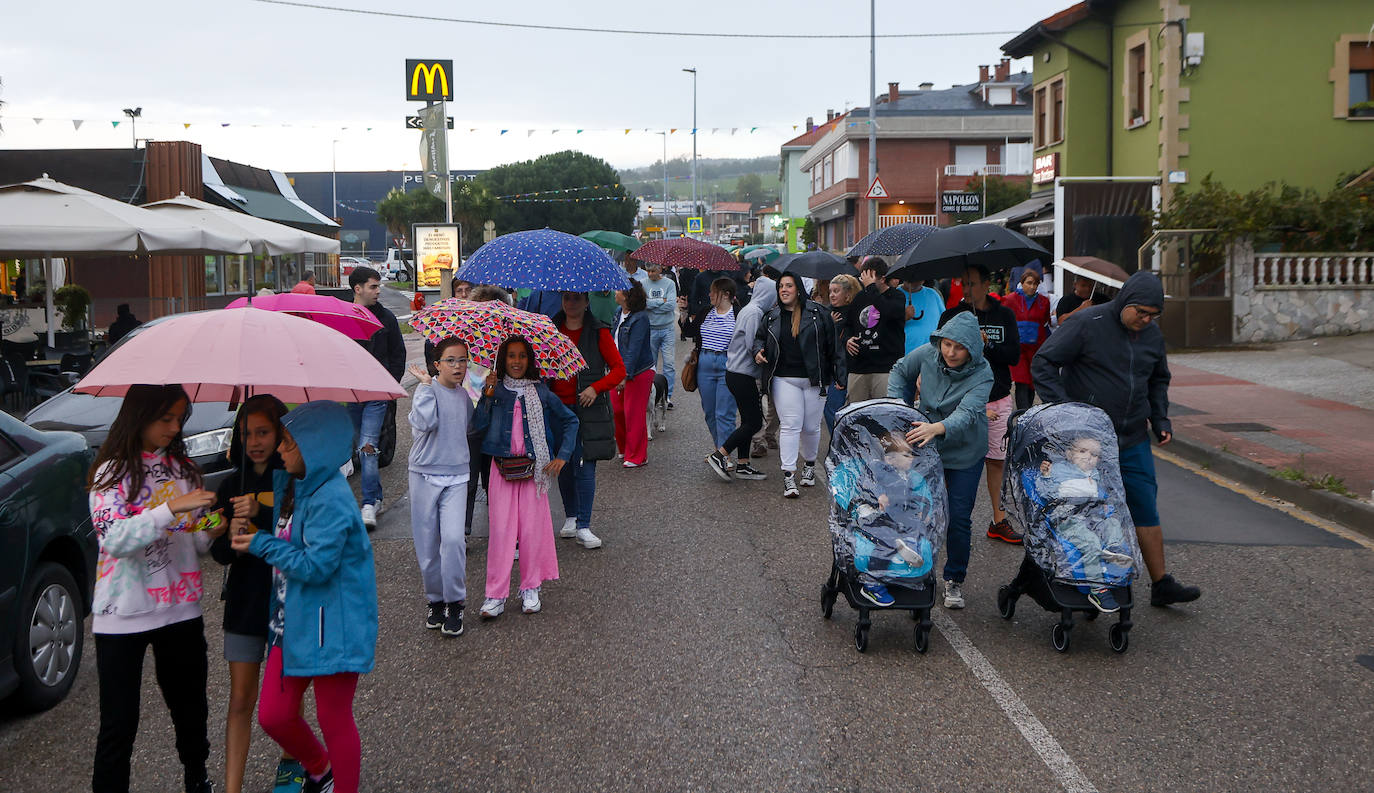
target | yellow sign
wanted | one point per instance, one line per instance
(693, 225)
(434, 74)
(652, 229)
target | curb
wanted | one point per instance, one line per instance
(1353, 514)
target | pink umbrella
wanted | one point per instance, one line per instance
(350, 319)
(228, 356)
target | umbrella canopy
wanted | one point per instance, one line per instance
(612, 240)
(688, 253)
(350, 319)
(891, 241)
(228, 356)
(265, 237)
(485, 325)
(1099, 270)
(45, 217)
(816, 264)
(765, 253)
(946, 252)
(544, 259)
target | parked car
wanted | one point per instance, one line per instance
(208, 429)
(47, 562)
(347, 263)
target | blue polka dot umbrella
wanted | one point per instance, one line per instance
(544, 259)
(891, 241)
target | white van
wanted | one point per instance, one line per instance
(399, 264)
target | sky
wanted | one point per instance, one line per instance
(304, 89)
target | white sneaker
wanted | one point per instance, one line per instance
(492, 608)
(954, 595)
(789, 485)
(370, 516)
(529, 600)
(909, 554)
(569, 529)
(808, 477)
(588, 539)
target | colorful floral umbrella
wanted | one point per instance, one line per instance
(685, 252)
(350, 319)
(485, 325)
(546, 260)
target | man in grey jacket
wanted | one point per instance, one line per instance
(742, 373)
(1113, 356)
(661, 302)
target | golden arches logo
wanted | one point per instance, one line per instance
(436, 80)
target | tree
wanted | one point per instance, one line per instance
(749, 188)
(1002, 194)
(473, 206)
(401, 208)
(809, 233)
(576, 209)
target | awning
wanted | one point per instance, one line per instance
(1030, 208)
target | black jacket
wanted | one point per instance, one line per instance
(820, 349)
(882, 339)
(386, 344)
(1093, 358)
(1003, 347)
(247, 589)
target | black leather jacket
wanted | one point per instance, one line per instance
(817, 339)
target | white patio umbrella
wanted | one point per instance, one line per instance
(46, 218)
(266, 237)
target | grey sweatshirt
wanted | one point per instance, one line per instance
(739, 356)
(439, 420)
(662, 301)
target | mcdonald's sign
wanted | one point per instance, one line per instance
(428, 81)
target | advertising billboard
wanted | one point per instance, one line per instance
(437, 248)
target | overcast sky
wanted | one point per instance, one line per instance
(241, 63)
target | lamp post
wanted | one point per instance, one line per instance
(133, 113)
(693, 139)
(334, 175)
(872, 110)
(665, 184)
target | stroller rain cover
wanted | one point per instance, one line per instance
(1062, 489)
(883, 490)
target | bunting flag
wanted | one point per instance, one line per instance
(224, 125)
(529, 134)
(560, 191)
(671, 131)
(76, 123)
(37, 121)
(186, 125)
(733, 130)
(114, 123)
(627, 132)
(504, 131)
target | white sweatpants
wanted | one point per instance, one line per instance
(437, 517)
(799, 405)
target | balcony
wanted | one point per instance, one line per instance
(991, 170)
(891, 220)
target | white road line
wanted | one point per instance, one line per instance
(1055, 758)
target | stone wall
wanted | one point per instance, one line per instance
(1278, 297)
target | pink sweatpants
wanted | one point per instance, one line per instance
(279, 713)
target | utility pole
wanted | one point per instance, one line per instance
(665, 184)
(872, 109)
(694, 138)
(133, 113)
(334, 176)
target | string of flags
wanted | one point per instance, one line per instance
(565, 200)
(541, 193)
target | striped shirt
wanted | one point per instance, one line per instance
(717, 329)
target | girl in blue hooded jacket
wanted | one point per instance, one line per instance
(323, 618)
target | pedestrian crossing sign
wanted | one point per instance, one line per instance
(693, 225)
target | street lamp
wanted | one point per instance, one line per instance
(334, 175)
(665, 184)
(694, 138)
(133, 113)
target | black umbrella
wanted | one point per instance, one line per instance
(948, 252)
(891, 241)
(815, 264)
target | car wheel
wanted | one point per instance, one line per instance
(47, 646)
(388, 439)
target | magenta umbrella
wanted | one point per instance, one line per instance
(229, 356)
(350, 319)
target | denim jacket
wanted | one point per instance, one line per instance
(494, 416)
(632, 337)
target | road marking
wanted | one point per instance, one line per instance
(1286, 508)
(1051, 753)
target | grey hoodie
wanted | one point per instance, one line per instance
(957, 397)
(739, 357)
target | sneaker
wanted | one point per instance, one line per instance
(1118, 559)
(877, 594)
(529, 601)
(1002, 530)
(453, 623)
(772, 442)
(954, 595)
(204, 786)
(808, 478)
(909, 554)
(789, 485)
(1102, 598)
(290, 776)
(370, 516)
(628, 464)
(758, 449)
(436, 615)
(1166, 591)
(588, 539)
(517, 553)
(719, 464)
(569, 529)
(747, 471)
(324, 784)
(492, 608)
(669, 404)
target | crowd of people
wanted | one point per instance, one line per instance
(768, 348)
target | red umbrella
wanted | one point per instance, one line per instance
(686, 252)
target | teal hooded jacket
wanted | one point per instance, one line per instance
(331, 584)
(957, 397)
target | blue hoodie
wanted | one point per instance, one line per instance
(331, 585)
(957, 397)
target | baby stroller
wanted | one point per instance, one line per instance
(1062, 489)
(888, 515)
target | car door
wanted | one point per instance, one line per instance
(14, 543)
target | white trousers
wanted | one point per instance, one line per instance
(799, 405)
(437, 517)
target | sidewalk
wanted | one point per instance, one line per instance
(1284, 418)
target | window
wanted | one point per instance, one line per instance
(235, 274)
(265, 273)
(969, 160)
(1057, 109)
(816, 179)
(1137, 81)
(1016, 158)
(214, 285)
(1137, 77)
(828, 177)
(1049, 111)
(1352, 77)
(1039, 132)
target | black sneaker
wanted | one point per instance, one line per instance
(453, 623)
(203, 786)
(719, 464)
(324, 785)
(747, 471)
(668, 404)
(435, 618)
(1002, 530)
(1167, 591)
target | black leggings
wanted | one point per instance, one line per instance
(479, 471)
(1025, 395)
(745, 390)
(181, 668)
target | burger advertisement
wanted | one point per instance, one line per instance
(436, 249)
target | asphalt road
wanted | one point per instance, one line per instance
(689, 653)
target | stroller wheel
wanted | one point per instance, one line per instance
(861, 637)
(1090, 615)
(1006, 603)
(1060, 636)
(827, 601)
(922, 638)
(1119, 637)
